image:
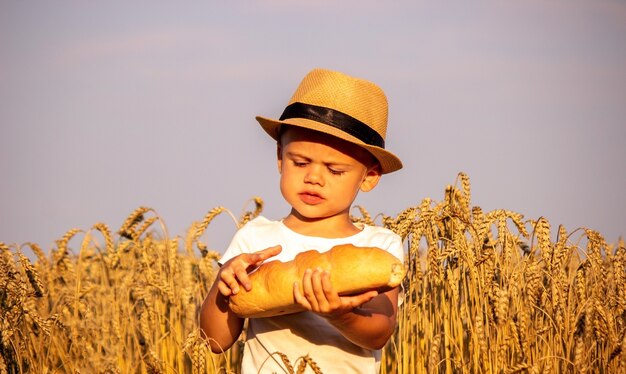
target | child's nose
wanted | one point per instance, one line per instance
(314, 175)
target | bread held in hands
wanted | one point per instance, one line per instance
(352, 270)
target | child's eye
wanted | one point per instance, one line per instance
(335, 172)
(299, 164)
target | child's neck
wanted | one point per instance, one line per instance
(329, 227)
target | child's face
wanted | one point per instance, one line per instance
(321, 175)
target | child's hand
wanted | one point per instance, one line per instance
(235, 271)
(319, 296)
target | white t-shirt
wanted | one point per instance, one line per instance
(301, 334)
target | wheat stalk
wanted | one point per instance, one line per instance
(481, 295)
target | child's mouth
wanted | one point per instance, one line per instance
(310, 198)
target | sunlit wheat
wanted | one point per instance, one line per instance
(485, 292)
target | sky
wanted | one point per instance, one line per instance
(106, 106)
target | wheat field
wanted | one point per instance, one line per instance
(485, 292)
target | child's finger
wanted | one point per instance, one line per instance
(307, 289)
(228, 284)
(326, 297)
(263, 255)
(361, 299)
(316, 282)
(242, 277)
(300, 299)
(224, 289)
(327, 287)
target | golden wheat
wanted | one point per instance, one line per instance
(485, 292)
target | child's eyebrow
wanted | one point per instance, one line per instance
(300, 156)
(340, 165)
(291, 154)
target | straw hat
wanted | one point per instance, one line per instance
(349, 108)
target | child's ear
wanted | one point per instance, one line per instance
(371, 178)
(279, 157)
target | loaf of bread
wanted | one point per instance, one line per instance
(352, 270)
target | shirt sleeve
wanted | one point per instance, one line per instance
(396, 248)
(235, 248)
(387, 240)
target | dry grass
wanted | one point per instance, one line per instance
(485, 293)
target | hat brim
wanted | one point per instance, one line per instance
(388, 161)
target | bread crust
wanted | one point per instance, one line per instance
(352, 270)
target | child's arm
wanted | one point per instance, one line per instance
(367, 320)
(221, 326)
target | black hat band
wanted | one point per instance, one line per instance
(336, 119)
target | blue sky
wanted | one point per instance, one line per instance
(106, 106)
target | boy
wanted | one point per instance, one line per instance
(330, 146)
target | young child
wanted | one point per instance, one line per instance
(330, 146)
